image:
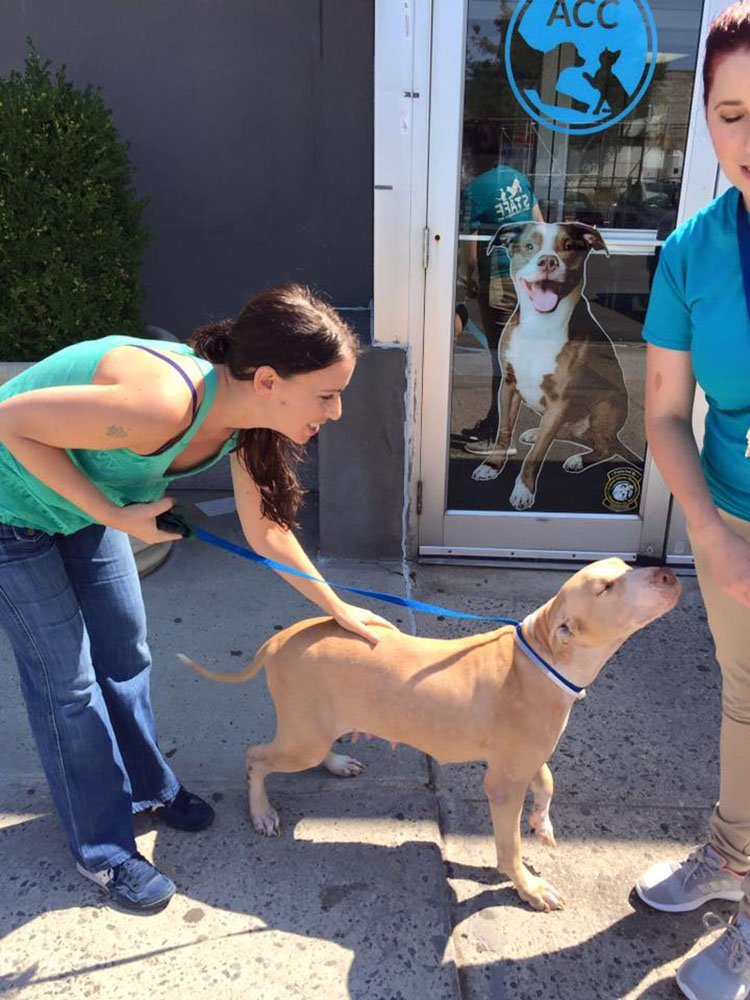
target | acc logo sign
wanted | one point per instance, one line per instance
(579, 66)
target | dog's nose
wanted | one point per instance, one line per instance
(547, 263)
(663, 577)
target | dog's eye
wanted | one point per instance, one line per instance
(529, 246)
(569, 245)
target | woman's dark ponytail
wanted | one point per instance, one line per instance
(271, 459)
(293, 331)
(212, 340)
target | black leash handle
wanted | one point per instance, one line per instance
(174, 521)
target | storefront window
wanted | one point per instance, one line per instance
(572, 160)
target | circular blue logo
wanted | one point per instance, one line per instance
(579, 66)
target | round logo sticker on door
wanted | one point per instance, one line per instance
(580, 66)
(622, 490)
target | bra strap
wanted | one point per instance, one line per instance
(182, 372)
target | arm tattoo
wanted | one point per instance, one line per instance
(116, 432)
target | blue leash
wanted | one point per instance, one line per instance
(174, 521)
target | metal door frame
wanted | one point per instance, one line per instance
(535, 535)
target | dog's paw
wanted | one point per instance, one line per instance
(574, 463)
(485, 473)
(542, 827)
(343, 766)
(267, 823)
(521, 498)
(529, 436)
(537, 892)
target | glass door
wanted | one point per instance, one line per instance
(557, 167)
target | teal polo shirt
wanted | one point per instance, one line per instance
(495, 197)
(698, 304)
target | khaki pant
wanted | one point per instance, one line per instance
(729, 622)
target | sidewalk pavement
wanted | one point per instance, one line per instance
(380, 887)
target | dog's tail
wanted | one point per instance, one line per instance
(229, 677)
(259, 660)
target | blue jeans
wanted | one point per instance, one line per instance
(73, 611)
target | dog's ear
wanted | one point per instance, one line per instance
(562, 639)
(591, 236)
(506, 236)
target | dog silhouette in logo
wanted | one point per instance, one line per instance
(528, 64)
(607, 83)
(622, 492)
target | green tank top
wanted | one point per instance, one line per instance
(120, 474)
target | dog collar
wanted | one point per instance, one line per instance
(549, 670)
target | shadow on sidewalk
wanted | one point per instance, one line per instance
(388, 905)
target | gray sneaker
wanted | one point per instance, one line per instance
(134, 884)
(676, 886)
(722, 970)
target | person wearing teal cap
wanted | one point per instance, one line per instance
(496, 196)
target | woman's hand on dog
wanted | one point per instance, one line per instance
(356, 619)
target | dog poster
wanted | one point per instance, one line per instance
(563, 401)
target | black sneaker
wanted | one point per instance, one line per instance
(483, 430)
(134, 884)
(185, 812)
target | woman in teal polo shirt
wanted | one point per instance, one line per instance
(90, 439)
(698, 329)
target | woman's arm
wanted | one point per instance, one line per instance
(670, 386)
(37, 426)
(270, 540)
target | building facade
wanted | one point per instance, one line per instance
(476, 184)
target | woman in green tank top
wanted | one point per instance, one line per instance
(90, 439)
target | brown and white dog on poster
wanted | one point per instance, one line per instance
(554, 357)
(483, 697)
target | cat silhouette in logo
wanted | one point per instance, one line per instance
(607, 83)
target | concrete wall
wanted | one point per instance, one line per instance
(362, 462)
(251, 128)
(250, 125)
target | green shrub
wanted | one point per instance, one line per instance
(71, 231)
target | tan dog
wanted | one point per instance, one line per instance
(478, 698)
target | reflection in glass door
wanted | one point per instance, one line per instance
(572, 160)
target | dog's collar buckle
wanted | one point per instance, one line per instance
(555, 676)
